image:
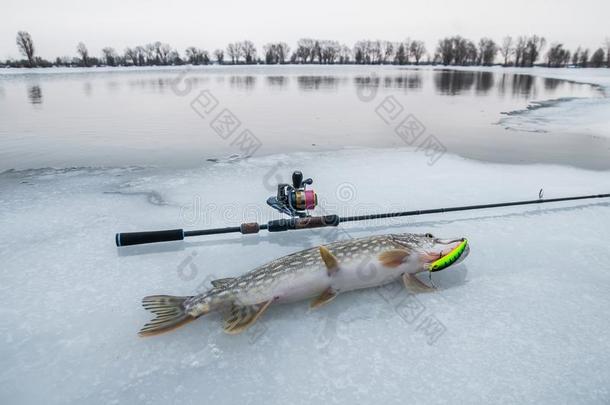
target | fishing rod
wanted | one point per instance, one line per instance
(296, 200)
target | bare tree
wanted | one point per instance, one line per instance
(445, 51)
(520, 51)
(220, 56)
(576, 56)
(304, 51)
(173, 58)
(143, 55)
(557, 56)
(158, 53)
(401, 54)
(597, 60)
(82, 50)
(196, 56)
(317, 52)
(472, 54)
(276, 52)
(407, 43)
(328, 51)
(361, 52)
(26, 46)
(487, 51)
(130, 56)
(506, 50)
(463, 50)
(270, 54)
(457, 50)
(234, 52)
(282, 51)
(417, 50)
(147, 54)
(607, 43)
(109, 56)
(345, 54)
(249, 51)
(165, 53)
(388, 51)
(584, 58)
(534, 46)
(376, 51)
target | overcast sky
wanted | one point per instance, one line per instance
(58, 25)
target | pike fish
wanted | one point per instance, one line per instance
(319, 274)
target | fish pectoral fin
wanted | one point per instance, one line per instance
(331, 262)
(222, 281)
(393, 257)
(327, 296)
(240, 318)
(414, 284)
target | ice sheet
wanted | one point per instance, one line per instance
(573, 116)
(523, 320)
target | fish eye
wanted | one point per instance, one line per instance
(429, 235)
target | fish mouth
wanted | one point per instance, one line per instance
(446, 252)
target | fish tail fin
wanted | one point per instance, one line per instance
(170, 314)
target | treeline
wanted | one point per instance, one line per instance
(523, 51)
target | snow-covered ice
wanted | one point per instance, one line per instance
(524, 319)
(582, 116)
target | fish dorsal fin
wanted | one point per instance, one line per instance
(240, 318)
(327, 296)
(393, 257)
(222, 281)
(331, 262)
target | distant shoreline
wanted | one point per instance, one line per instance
(521, 51)
(242, 65)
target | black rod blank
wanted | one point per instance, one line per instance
(279, 225)
(467, 208)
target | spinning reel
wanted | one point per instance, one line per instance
(294, 200)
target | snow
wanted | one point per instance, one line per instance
(524, 319)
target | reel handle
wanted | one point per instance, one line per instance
(297, 179)
(139, 238)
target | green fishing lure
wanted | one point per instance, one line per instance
(449, 258)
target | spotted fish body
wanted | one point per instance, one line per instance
(321, 272)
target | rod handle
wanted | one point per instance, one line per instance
(280, 225)
(139, 238)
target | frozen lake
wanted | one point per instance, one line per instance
(159, 116)
(524, 319)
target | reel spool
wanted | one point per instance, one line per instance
(294, 200)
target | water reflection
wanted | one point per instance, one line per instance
(552, 84)
(35, 94)
(279, 82)
(318, 82)
(442, 82)
(484, 82)
(163, 84)
(409, 81)
(503, 83)
(243, 82)
(366, 83)
(523, 85)
(452, 82)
